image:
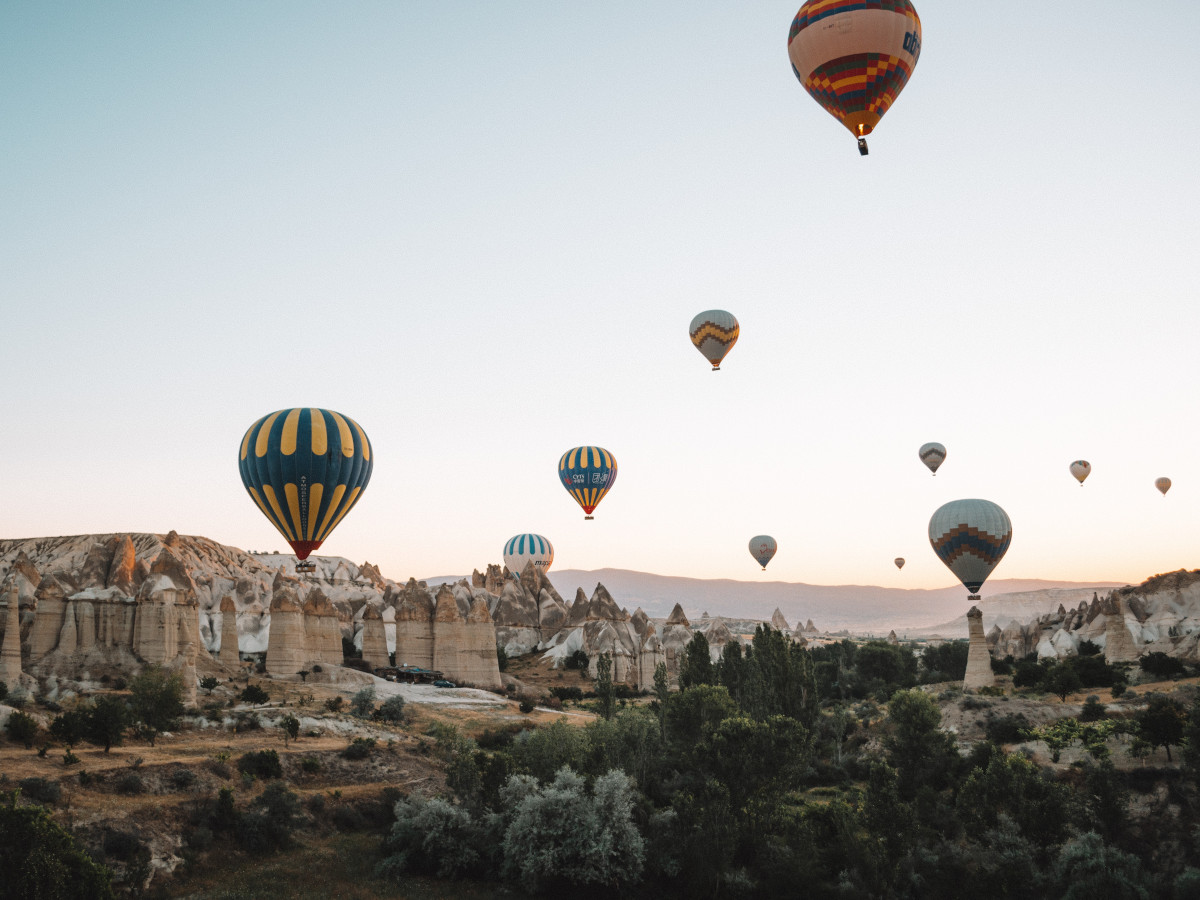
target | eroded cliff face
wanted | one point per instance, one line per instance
(1160, 614)
(91, 605)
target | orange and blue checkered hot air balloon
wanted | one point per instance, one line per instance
(855, 56)
(587, 473)
(305, 468)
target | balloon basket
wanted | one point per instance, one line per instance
(588, 518)
(304, 567)
(862, 147)
(716, 368)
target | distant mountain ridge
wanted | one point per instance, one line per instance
(859, 608)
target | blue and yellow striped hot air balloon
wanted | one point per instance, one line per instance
(305, 468)
(587, 473)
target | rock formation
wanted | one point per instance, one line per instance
(228, 652)
(1118, 638)
(374, 641)
(979, 660)
(10, 650)
(778, 622)
(287, 650)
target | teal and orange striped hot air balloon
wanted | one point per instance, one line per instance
(305, 468)
(587, 473)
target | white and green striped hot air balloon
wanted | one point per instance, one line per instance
(523, 548)
(970, 537)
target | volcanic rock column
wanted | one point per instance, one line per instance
(979, 660)
(374, 644)
(10, 655)
(228, 654)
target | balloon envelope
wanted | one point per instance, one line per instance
(762, 548)
(970, 537)
(305, 468)
(1163, 485)
(933, 455)
(854, 58)
(587, 473)
(714, 332)
(899, 560)
(523, 548)
(1081, 469)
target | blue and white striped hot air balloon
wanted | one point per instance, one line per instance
(970, 537)
(524, 548)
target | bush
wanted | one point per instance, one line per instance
(567, 693)
(310, 765)
(1006, 729)
(40, 859)
(334, 704)
(252, 693)
(359, 748)
(577, 660)
(1119, 689)
(362, 704)
(1093, 710)
(130, 784)
(1028, 674)
(268, 825)
(41, 790)
(392, 710)
(182, 779)
(261, 764)
(526, 705)
(21, 728)
(1160, 665)
(246, 721)
(209, 683)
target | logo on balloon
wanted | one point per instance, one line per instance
(912, 43)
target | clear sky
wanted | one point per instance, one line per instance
(481, 229)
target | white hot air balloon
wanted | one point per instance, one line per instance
(762, 548)
(524, 548)
(933, 455)
(1081, 469)
(970, 537)
(1163, 485)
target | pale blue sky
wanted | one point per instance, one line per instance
(481, 229)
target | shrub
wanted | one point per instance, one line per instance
(1160, 665)
(261, 764)
(209, 683)
(567, 693)
(1006, 729)
(246, 721)
(1028, 673)
(268, 825)
(1093, 710)
(41, 790)
(362, 704)
(40, 859)
(310, 765)
(70, 759)
(21, 728)
(334, 704)
(359, 748)
(392, 710)
(130, 783)
(290, 726)
(219, 768)
(121, 845)
(1118, 689)
(182, 779)
(526, 705)
(577, 660)
(252, 693)
(348, 818)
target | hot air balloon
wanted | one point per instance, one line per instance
(933, 455)
(523, 548)
(855, 58)
(970, 537)
(1081, 469)
(714, 332)
(305, 468)
(1163, 485)
(587, 473)
(762, 548)
(899, 561)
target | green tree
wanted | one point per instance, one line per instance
(107, 719)
(696, 667)
(1162, 723)
(209, 683)
(662, 693)
(695, 712)
(69, 727)
(391, 710)
(881, 665)
(1013, 787)
(945, 662)
(40, 859)
(1087, 869)
(922, 754)
(362, 704)
(604, 686)
(1061, 679)
(290, 726)
(156, 700)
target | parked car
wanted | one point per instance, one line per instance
(442, 682)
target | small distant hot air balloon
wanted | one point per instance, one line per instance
(714, 332)
(899, 561)
(1081, 469)
(762, 548)
(1163, 485)
(933, 455)
(970, 537)
(523, 548)
(587, 473)
(305, 468)
(855, 58)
